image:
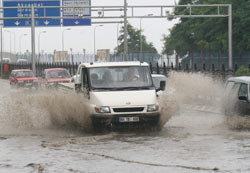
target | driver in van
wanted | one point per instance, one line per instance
(130, 75)
(107, 77)
(94, 78)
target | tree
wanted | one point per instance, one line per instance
(242, 71)
(210, 34)
(134, 42)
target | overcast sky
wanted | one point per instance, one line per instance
(79, 38)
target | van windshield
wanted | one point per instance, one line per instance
(24, 74)
(58, 74)
(120, 77)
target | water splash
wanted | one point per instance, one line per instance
(189, 89)
(47, 108)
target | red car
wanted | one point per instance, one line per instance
(23, 78)
(53, 76)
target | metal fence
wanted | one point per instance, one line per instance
(157, 69)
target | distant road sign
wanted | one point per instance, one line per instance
(75, 12)
(26, 12)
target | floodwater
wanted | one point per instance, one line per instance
(49, 132)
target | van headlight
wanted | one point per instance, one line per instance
(152, 108)
(102, 109)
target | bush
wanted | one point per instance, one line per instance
(242, 71)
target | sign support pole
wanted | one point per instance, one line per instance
(33, 40)
(2, 51)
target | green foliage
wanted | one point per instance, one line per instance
(209, 34)
(242, 71)
(134, 42)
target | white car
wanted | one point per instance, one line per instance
(237, 96)
(22, 61)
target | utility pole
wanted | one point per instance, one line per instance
(125, 56)
(230, 47)
(33, 40)
(1, 51)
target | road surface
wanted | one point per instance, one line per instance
(196, 139)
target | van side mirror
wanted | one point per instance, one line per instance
(162, 86)
(243, 98)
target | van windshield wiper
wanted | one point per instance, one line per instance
(123, 88)
(135, 88)
(109, 89)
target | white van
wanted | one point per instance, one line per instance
(119, 93)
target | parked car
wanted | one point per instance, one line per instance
(51, 77)
(23, 78)
(237, 97)
(157, 78)
(22, 61)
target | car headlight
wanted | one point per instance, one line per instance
(20, 81)
(102, 109)
(152, 108)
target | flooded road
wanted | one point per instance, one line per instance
(196, 139)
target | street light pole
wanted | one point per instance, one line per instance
(63, 37)
(14, 42)
(84, 52)
(117, 36)
(20, 39)
(10, 41)
(71, 50)
(117, 42)
(125, 56)
(39, 44)
(94, 38)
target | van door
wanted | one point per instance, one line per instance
(85, 83)
(232, 99)
(243, 105)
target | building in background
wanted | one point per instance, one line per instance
(103, 55)
(60, 56)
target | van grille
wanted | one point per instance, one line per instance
(138, 109)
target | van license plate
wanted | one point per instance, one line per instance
(128, 119)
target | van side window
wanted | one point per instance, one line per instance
(84, 77)
(243, 90)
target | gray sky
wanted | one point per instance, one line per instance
(79, 38)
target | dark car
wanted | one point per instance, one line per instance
(23, 78)
(237, 97)
(53, 76)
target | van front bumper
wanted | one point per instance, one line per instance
(116, 118)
